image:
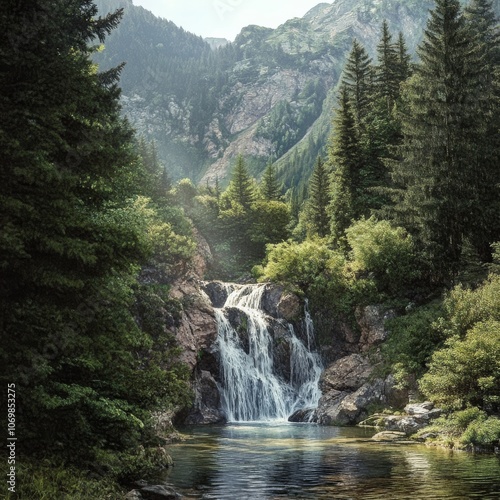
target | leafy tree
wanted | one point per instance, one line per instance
(386, 252)
(270, 224)
(467, 371)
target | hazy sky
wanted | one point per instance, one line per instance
(225, 18)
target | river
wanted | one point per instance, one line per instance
(258, 461)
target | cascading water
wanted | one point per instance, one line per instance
(251, 388)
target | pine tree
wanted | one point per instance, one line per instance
(357, 78)
(241, 187)
(442, 125)
(344, 158)
(70, 243)
(386, 71)
(482, 23)
(316, 210)
(270, 187)
(403, 60)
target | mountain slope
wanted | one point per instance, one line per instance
(268, 95)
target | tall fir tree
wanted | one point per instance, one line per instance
(241, 189)
(404, 59)
(316, 209)
(482, 23)
(270, 188)
(344, 158)
(386, 70)
(357, 78)
(443, 124)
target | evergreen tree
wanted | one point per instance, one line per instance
(443, 124)
(344, 158)
(357, 78)
(241, 188)
(403, 59)
(386, 71)
(316, 210)
(70, 243)
(483, 24)
(270, 187)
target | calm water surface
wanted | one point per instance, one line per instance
(302, 461)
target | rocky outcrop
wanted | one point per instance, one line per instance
(197, 329)
(207, 404)
(415, 417)
(346, 374)
(153, 492)
(351, 407)
(371, 321)
(350, 388)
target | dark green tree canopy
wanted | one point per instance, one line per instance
(443, 165)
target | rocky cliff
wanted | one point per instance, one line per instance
(350, 388)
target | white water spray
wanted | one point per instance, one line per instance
(251, 389)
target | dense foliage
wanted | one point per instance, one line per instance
(81, 212)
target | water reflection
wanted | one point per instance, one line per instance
(276, 461)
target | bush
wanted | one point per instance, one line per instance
(386, 251)
(47, 481)
(482, 432)
(315, 271)
(467, 372)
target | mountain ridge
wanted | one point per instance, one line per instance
(269, 95)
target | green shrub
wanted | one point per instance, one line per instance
(482, 432)
(48, 481)
(467, 372)
(386, 251)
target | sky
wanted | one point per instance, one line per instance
(225, 18)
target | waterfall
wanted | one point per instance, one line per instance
(251, 387)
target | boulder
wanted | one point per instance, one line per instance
(328, 407)
(289, 307)
(134, 495)
(419, 408)
(407, 424)
(271, 298)
(346, 374)
(159, 492)
(389, 436)
(304, 415)
(217, 292)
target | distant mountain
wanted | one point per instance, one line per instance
(268, 95)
